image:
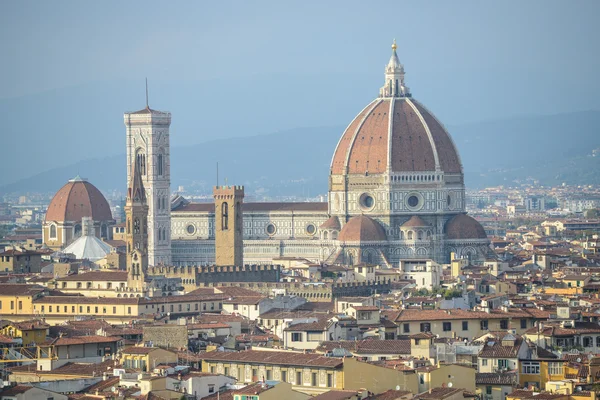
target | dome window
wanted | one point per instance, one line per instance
(413, 201)
(367, 202)
(311, 229)
(191, 229)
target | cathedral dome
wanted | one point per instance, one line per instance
(78, 199)
(362, 229)
(462, 226)
(395, 134)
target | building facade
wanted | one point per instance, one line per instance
(148, 146)
(396, 191)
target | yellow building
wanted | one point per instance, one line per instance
(538, 372)
(146, 358)
(17, 299)
(308, 373)
(30, 332)
(446, 375)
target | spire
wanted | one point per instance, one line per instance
(135, 191)
(394, 77)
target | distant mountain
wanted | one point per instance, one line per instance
(552, 149)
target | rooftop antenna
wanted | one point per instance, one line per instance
(217, 173)
(147, 93)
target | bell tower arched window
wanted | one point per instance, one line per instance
(136, 225)
(141, 160)
(224, 216)
(160, 165)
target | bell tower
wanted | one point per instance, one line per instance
(229, 225)
(136, 216)
(148, 146)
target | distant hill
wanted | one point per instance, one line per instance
(552, 149)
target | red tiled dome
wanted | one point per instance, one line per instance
(332, 223)
(462, 226)
(78, 199)
(362, 229)
(415, 222)
(416, 140)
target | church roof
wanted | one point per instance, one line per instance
(415, 222)
(462, 226)
(332, 223)
(88, 248)
(362, 229)
(258, 207)
(78, 199)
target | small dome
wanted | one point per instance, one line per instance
(78, 199)
(362, 229)
(332, 223)
(415, 222)
(462, 226)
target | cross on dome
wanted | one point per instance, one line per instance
(394, 77)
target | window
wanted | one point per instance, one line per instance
(128, 310)
(523, 323)
(49, 308)
(488, 390)
(12, 305)
(235, 307)
(503, 363)
(465, 325)
(211, 388)
(296, 336)
(588, 341)
(406, 328)
(224, 216)
(52, 231)
(284, 376)
(21, 305)
(503, 324)
(96, 310)
(329, 380)
(114, 310)
(555, 368)
(447, 326)
(73, 309)
(160, 165)
(530, 367)
(484, 362)
(269, 374)
(313, 379)
(484, 324)
(425, 327)
(298, 378)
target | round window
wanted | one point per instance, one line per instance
(191, 229)
(270, 229)
(366, 201)
(413, 201)
(311, 229)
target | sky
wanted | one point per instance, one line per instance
(311, 63)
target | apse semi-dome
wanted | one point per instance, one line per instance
(78, 199)
(362, 229)
(462, 226)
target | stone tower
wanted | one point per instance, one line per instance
(148, 146)
(136, 217)
(229, 225)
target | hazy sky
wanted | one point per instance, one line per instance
(546, 44)
(241, 68)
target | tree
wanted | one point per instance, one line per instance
(593, 213)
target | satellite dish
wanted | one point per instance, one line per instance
(397, 387)
(578, 388)
(450, 385)
(578, 360)
(112, 389)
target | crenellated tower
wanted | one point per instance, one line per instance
(136, 217)
(148, 146)
(229, 225)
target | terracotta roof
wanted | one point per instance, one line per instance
(273, 357)
(332, 223)
(368, 346)
(336, 395)
(139, 350)
(365, 308)
(110, 276)
(414, 222)
(226, 395)
(464, 227)
(439, 393)
(439, 315)
(14, 390)
(78, 199)
(18, 289)
(495, 348)
(86, 300)
(362, 229)
(416, 139)
(258, 207)
(391, 395)
(67, 341)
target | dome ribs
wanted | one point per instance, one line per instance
(78, 199)
(369, 150)
(447, 154)
(411, 149)
(341, 152)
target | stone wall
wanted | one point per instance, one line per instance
(168, 336)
